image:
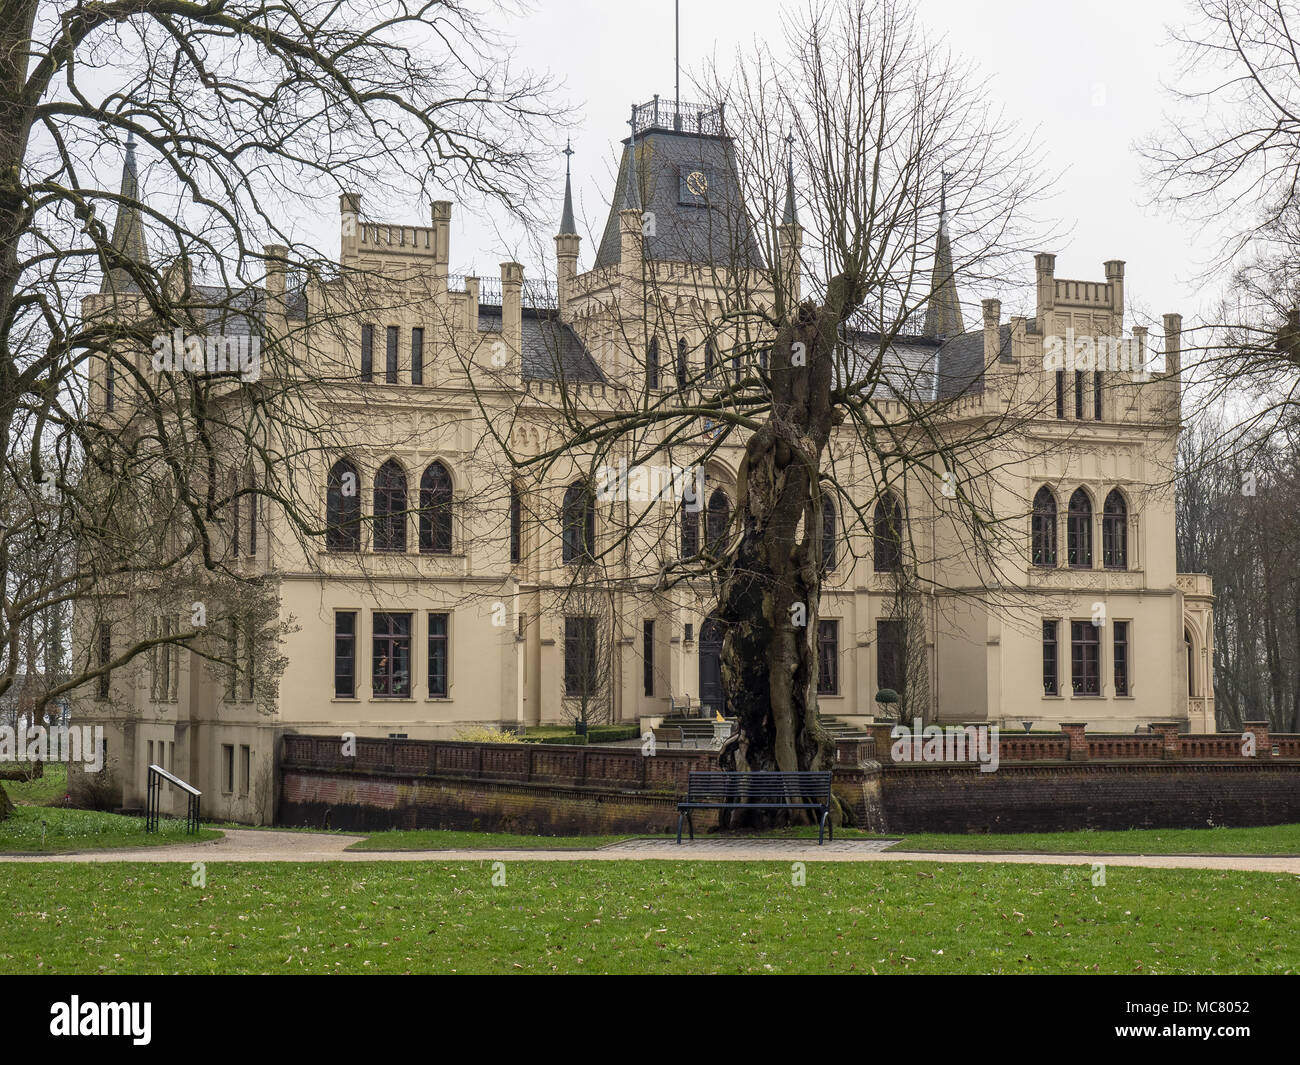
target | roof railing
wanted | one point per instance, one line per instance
(659, 113)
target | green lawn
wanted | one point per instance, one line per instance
(51, 787)
(1272, 839)
(1277, 839)
(74, 830)
(652, 917)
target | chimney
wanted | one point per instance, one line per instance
(512, 317)
(992, 331)
(1045, 268)
(440, 215)
(349, 224)
(1115, 275)
(276, 257)
(1173, 345)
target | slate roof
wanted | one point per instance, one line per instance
(719, 233)
(961, 362)
(551, 349)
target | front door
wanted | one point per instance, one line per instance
(711, 666)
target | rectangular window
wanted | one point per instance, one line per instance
(1121, 657)
(891, 655)
(252, 523)
(1096, 395)
(1085, 658)
(345, 654)
(580, 654)
(367, 352)
(1060, 393)
(1051, 659)
(391, 656)
(1080, 384)
(390, 361)
(245, 768)
(149, 756)
(417, 355)
(828, 658)
(516, 525)
(249, 646)
(439, 658)
(105, 656)
(232, 669)
(108, 384)
(648, 657)
(228, 768)
(171, 756)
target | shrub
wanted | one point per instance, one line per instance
(486, 734)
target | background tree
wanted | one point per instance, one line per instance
(151, 484)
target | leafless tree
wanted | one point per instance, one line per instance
(139, 477)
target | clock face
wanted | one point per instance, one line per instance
(697, 182)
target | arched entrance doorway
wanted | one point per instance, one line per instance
(711, 666)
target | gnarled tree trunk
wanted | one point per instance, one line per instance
(771, 585)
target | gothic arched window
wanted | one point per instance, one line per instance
(1114, 532)
(1078, 531)
(390, 507)
(718, 517)
(830, 532)
(1044, 528)
(435, 510)
(343, 508)
(578, 521)
(887, 534)
(652, 364)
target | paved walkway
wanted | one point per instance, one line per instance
(246, 845)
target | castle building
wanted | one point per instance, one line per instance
(463, 582)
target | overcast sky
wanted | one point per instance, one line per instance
(1086, 76)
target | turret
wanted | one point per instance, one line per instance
(567, 244)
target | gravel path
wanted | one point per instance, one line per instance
(245, 845)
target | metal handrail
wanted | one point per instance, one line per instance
(153, 796)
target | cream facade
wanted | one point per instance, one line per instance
(443, 596)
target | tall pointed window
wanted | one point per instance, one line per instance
(690, 529)
(830, 532)
(516, 524)
(710, 359)
(719, 516)
(1044, 528)
(343, 508)
(681, 362)
(390, 508)
(887, 533)
(435, 510)
(578, 520)
(1114, 532)
(652, 364)
(367, 352)
(1078, 531)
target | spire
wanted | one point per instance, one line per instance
(566, 221)
(632, 200)
(790, 217)
(128, 228)
(943, 314)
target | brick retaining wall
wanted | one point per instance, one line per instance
(1048, 782)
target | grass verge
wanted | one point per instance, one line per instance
(646, 917)
(74, 830)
